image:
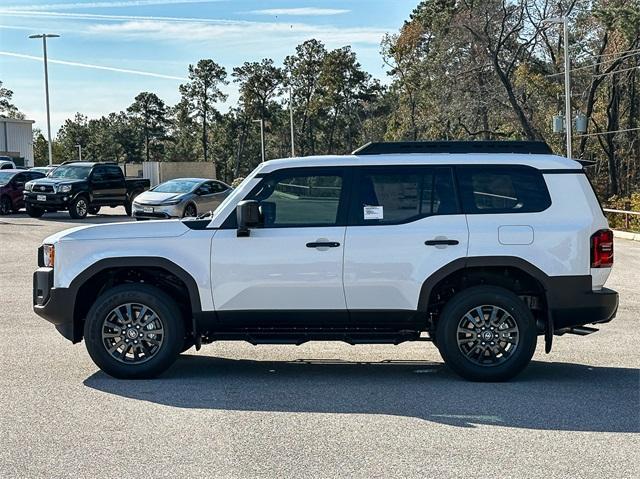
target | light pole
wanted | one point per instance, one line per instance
(261, 121)
(567, 79)
(44, 37)
(79, 147)
(293, 148)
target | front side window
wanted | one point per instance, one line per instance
(510, 189)
(299, 199)
(403, 194)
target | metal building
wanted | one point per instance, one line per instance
(16, 140)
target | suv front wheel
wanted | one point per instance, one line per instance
(134, 331)
(486, 333)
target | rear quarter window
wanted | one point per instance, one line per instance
(502, 189)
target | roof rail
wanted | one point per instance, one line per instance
(395, 147)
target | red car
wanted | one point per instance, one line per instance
(12, 189)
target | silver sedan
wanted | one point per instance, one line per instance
(179, 198)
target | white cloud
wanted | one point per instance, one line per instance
(110, 4)
(93, 67)
(303, 11)
(237, 31)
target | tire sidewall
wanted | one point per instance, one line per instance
(155, 299)
(190, 205)
(73, 208)
(468, 299)
(5, 201)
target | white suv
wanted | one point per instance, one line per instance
(480, 247)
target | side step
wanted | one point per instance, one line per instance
(301, 336)
(577, 330)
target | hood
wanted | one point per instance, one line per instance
(55, 181)
(155, 198)
(128, 230)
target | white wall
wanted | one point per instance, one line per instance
(16, 138)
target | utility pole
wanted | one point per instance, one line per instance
(79, 147)
(293, 148)
(44, 37)
(261, 121)
(567, 79)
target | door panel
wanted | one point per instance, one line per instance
(405, 223)
(381, 277)
(289, 270)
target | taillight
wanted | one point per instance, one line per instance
(602, 249)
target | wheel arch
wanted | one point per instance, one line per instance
(157, 271)
(509, 272)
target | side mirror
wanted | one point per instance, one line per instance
(248, 215)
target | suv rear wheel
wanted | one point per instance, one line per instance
(134, 331)
(486, 333)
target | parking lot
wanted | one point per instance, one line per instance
(317, 410)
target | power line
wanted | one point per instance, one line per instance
(627, 54)
(609, 132)
(615, 72)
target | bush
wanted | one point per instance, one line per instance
(237, 181)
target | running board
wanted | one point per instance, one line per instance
(577, 330)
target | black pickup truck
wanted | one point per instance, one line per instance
(82, 188)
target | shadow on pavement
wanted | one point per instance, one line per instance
(63, 217)
(547, 396)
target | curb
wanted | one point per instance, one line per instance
(626, 235)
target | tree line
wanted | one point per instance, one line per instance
(458, 69)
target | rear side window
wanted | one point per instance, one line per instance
(402, 195)
(497, 189)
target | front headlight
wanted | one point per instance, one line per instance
(49, 255)
(63, 188)
(28, 186)
(170, 202)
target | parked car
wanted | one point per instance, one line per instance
(44, 169)
(179, 198)
(82, 188)
(12, 184)
(6, 163)
(480, 250)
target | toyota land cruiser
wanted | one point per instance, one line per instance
(479, 247)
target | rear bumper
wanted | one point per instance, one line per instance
(572, 302)
(56, 305)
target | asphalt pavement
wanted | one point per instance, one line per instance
(320, 410)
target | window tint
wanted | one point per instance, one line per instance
(205, 189)
(299, 200)
(98, 174)
(503, 190)
(217, 187)
(113, 173)
(403, 194)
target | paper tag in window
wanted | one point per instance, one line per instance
(373, 212)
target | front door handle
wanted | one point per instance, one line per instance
(441, 242)
(323, 244)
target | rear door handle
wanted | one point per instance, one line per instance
(443, 242)
(323, 244)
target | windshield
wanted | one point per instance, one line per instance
(5, 177)
(176, 186)
(71, 172)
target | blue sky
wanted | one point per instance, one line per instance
(161, 37)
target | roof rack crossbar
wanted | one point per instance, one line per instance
(396, 147)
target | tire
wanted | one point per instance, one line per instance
(94, 210)
(34, 211)
(123, 362)
(128, 204)
(6, 207)
(79, 208)
(504, 351)
(190, 211)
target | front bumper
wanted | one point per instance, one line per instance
(157, 211)
(58, 201)
(56, 305)
(573, 302)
